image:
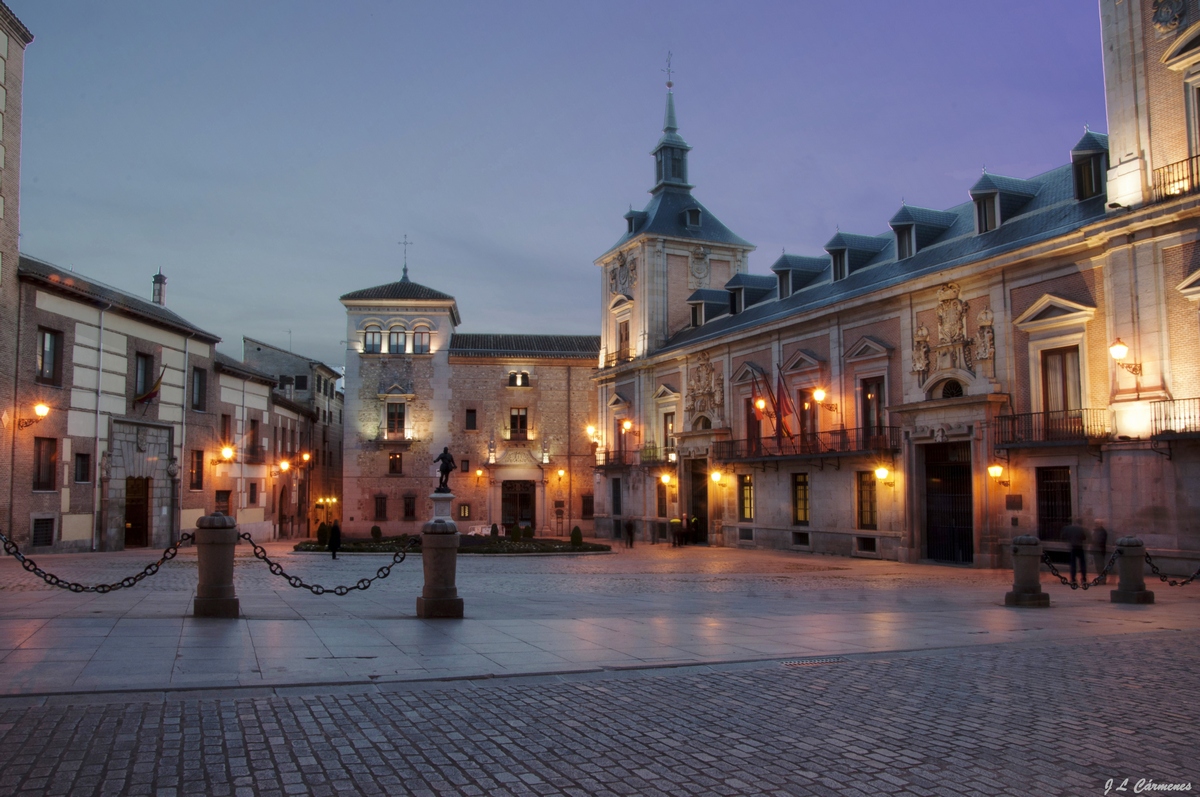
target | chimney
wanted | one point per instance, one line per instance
(160, 289)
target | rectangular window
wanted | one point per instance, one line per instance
(43, 532)
(83, 468)
(396, 463)
(302, 381)
(381, 507)
(839, 264)
(222, 500)
(753, 423)
(662, 499)
(745, 497)
(697, 316)
(464, 511)
(143, 377)
(1060, 379)
(464, 465)
(372, 344)
(745, 535)
(616, 497)
(253, 498)
(867, 507)
(227, 430)
(320, 384)
(904, 243)
(985, 213)
(410, 507)
(45, 462)
(799, 499)
(199, 389)
(800, 538)
(518, 423)
(872, 407)
(396, 341)
(623, 340)
(588, 509)
(49, 357)
(253, 453)
(196, 474)
(395, 420)
(1089, 177)
(669, 430)
(806, 421)
(785, 284)
(1053, 501)
(472, 422)
(421, 341)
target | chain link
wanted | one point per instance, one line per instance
(1095, 582)
(316, 589)
(12, 550)
(1170, 581)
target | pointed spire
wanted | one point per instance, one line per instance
(670, 154)
(669, 123)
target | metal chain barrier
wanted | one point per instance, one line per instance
(1095, 582)
(1170, 581)
(316, 589)
(12, 550)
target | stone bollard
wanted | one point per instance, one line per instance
(439, 557)
(1131, 571)
(216, 536)
(1027, 574)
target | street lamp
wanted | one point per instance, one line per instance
(1119, 350)
(996, 471)
(40, 410)
(819, 397)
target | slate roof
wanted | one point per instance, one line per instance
(1005, 185)
(303, 357)
(1052, 211)
(541, 347)
(227, 363)
(911, 214)
(1091, 142)
(403, 290)
(95, 292)
(664, 217)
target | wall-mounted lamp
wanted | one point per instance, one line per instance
(665, 478)
(1119, 350)
(561, 473)
(716, 477)
(285, 466)
(996, 471)
(305, 457)
(40, 412)
(591, 433)
(881, 474)
(626, 426)
(819, 397)
(227, 453)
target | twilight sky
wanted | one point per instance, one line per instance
(269, 156)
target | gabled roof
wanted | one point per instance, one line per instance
(810, 265)
(928, 217)
(308, 360)
(1091, 142)
(744, 280)
(404, 290)
(1005, 185)
(97, 293)
(709, 296)
(664, 217)
(223, 362)
(483, 344)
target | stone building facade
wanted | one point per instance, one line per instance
(930, 392)
(513, 410)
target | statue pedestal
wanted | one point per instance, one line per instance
(439, 557)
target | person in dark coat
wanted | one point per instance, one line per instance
(628, 533)
(1075, 535)
(335, 538)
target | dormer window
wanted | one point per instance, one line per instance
(904, 243)
(1089, 176)
(372, 340)
(785, 284)
(631, 224)
(697, 315)
(839, 264)
(693, 217)
(986, 217)
(735, 302)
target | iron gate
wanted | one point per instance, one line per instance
(949, 504)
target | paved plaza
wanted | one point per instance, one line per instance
(653, 671)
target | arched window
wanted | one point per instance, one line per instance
(396, 340)
(421, 341)
(701, 423)
(372, 340)
(952, 389)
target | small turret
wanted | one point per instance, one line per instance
(160, 289)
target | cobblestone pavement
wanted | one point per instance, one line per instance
(1075, 717)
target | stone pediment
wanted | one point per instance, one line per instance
(397, 391)
(747, 374)
(1190, 287)
(665, 393)
(867, 348)
(1050, 312)
(618, 402)
(804, 360)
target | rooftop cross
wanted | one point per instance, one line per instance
(668, 70)
(405, 243)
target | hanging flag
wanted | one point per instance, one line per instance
(756, 399)
(787, 410)
(152, 393)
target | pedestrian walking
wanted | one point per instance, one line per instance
(628, 533)
(1076, 536)
(335, 538)
(694, 531)
(1100, 550)
(677, 531)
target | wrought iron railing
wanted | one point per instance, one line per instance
(253, 455)
(618, 357)
(1177, 179)
(613, 458)
(1177, 417)
(654, 454)
(1059, 426)
(837, 441)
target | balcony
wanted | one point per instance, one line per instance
(656, 454)
(515, 435)
(835, 443)
(613, 458)
(1177, 179)
(1175, 419)
(253, 455)
(615, 359)
(1057, 428)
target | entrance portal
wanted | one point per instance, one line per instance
(949, 530)
(699, 502)
(517, 503)
(137, 513)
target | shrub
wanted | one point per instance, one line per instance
(495, 530)
(323, 535)
(529, 530)
(576, 537)
(376, 533)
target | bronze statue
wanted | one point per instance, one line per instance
(447, 467)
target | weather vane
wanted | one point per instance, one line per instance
(406, 243)
(668, 70)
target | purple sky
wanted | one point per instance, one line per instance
(269, 156)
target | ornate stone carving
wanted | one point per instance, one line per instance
(951, 314)
(705, 391)
(921, 350)
(700, 269)
(622, 275)
(142, 436)
(173, 469)
(1167, 15)
(985, 341)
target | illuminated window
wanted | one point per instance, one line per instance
(395, 420)
(799, 499)
(49, 357)
(745, 497)
(867, 506)
(196, 472)
(396, 463)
